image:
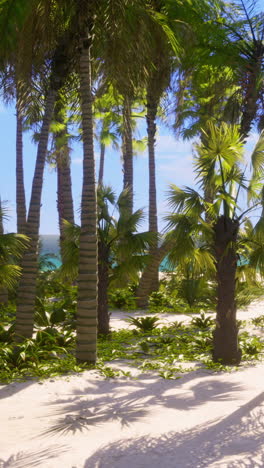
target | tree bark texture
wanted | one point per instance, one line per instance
(101, 166)
(20, 187)
(152, 105)
(250, 87)
(225, 336)
(103, 281)
(29, 263)
(64, 183)
(3, 291)
(145, 284)
(88, 267)
(128, 152)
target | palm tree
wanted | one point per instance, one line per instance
(10, 90)
(12, 247)
(60, 157)
(51, 55)
(121, 249)
(127, 150)
(219, 165)
(173, 46)
(107, 126)
(246, 33)
(3, 291)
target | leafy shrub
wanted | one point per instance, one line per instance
(258, 321)
(202, 342)
(202, 321)
(122, 299)
(250, 345)
(144, 324)
(177, 325)
(7, 313)
(246, 293)
(158, 299)
(6, 334)
(50, 336)
(44, 318)
(197, 291)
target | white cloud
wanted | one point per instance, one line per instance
(180, 173)
(169, 148)
(79, 161)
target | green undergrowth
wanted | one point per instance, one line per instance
(167, 352)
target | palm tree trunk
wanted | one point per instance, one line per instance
(128, 152)
(145, 285)
(29, 264)
(88, 276)
(249, 104)
(3, 291)
(101, 166)
(103, 281)
(153, 219)
(20, 188)
(64, 183)
(225, 336)
(64, 193)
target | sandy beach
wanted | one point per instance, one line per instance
(203, 419)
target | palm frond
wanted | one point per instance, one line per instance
(185, 200)
(257, 158)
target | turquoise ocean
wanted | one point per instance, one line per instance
(49, 246)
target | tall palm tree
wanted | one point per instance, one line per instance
(3, 290)
(127, 150)
(21, 209)
(170, 46)
(121, 249)
(219, 164)
(247, 35)
(11, 90)
(29, 263)
(61, 158)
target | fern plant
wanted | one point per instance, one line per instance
(202, 321)
(144, 324)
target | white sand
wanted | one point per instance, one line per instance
(84, 421)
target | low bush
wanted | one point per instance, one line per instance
(122, 299)
(144, 324)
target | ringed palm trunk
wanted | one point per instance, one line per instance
(20, 188)
(101, 166)
(64, 193)
(128, 152)
(3, 291)
(88, 276)
(250, 107)
(225, 336)
(103, 281)
(64, 183)
(145, 286)
(153, 218)
(29, 263)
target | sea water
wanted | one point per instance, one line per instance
(49, 244)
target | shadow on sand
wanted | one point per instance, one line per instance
(240, 434)
(31, 459)
(127, 402)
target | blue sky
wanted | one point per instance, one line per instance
(173, 164)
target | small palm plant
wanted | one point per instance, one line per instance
(202, 321)
(121, 249)
(208, 233)
(144, 324)
(12, 247)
